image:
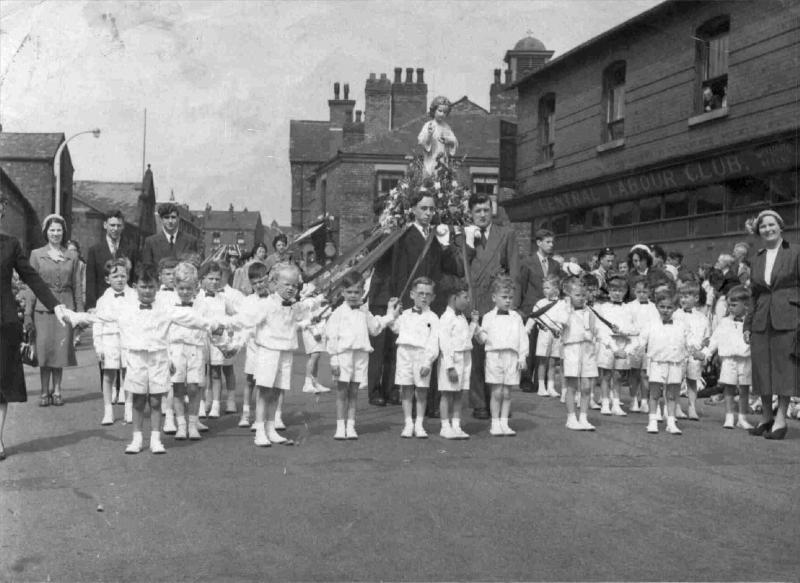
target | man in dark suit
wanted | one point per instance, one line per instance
(530, 284)
(491, 248)
(391, 275)
(112, 247)
(170, 242)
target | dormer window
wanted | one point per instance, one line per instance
(711, 41)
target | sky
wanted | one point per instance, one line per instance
(221, 80)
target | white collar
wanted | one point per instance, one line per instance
(421, 229)
(112, 244)
(168, 236)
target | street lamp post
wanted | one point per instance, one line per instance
(57, 164)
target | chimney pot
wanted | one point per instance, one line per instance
(508, 76)
(358, 115)
(497, 76)
(383, 75)
(420, 76)
(372, 75)
(398, 75)
(347, 91)
(336, 90)
(409, 74)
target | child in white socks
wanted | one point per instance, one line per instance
(259, 281)
(417, 349)
(548, 346)
(735, 373)
(211, 301)
(166, 296)
(699, 325)
(507, 345)
(107, 343)
(347, 336)
(455, 364)
(645, 314)
(314, 344)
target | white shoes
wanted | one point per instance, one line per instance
(408, 430)
(573, 423)
(583, 421)
(552, 392)
(350, 431)
(679, 414)
(634, 406)
(496, 430)
(645, 407)
(672, 427)
(341, 432)
(135, 446)
(180, 434)
(194, 434)
(652, 425)
(419, 430)
(245, 420)
(155, 443)
(659, 416)
(279, 423)
(319, 388)
(201, 426)
(729, 421)
(593, 404)
(507, 431)
(308, 386)
(169, 423)
(274, 437)
(605, 407)
(743, 423)
(108, 415)
(542, 392)
(447, 432)
(459, 433)
(616, 409)
(214, 413)
(261, 439)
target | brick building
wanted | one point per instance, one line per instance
(20, 220)
(231, 227)
(343, 165)
(28, 159)
(671, 128)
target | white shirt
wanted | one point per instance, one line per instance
(275, 325)
(644, 314)
(576, 325)
(622, 316)
(110, 301)
(697, 323)
(455, 335)
(349, 329)
(504, 332)
(418, 331)
(186, 335)
(113, 246)
(668, 342)
(728, 339)
(771, 254)
(170, 238)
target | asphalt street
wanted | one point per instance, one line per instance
(549, 504)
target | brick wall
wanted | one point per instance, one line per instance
(378, 106)
(764, 74)
(351, 194)
(306, 205)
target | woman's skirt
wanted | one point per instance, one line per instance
(775, 366)
(54, 347)
(12, 376)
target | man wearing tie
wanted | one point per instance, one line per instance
(491, 248)
(112, 247)
(170, 242)
(530, 284)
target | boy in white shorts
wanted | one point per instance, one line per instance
(455, 367)
(276, 322)
(257, 273)
(698, 323)
(548, 347)
(144, 331)
(211, 301)
(166, 296)
(645, 314)
(107, 343)
(417, 349)
(347, 335)
(669, 344)
(507, 345)
(735, 373)
(313, 331)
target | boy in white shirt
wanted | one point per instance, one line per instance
(698, 324)
(548, 346)
(212, 301)
(455, 366)
(417, 349)
(507, 345)
(144, 331)
(645, 314)
(232, 343)
(166, 296)
(669, 344)
(735, 373)
(107, 343)
(347, 335)
(276, 322)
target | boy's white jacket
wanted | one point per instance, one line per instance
(728, 340)
(669, 342)
(419, 331)
(275, 325)
(504, 333)
(455, 335)
(105, 329)
(581, 325)
(349, 329)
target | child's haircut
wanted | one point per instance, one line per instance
(193, 258)
(224, 268)
(352, 278)
(146, 273)
(185, 272)
(553, 279)
(167, 263)
(716, 278)
(502, 282)
(571, 284)
(211, 267)
(590, 280)
(617, 282)
(456, 287)
(256, 270)
(739, 293)
(113, 265)
(279, 268)
(665, 295)
(677, 255)
(640, 280)
(688, 286)
(423, 281)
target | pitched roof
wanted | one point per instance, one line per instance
(108, 196)
(25, 146)
(229, 220)
(477, 130)
(308, 140)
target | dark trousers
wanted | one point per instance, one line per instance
(478, 395)
(532, 362)
(380, 374)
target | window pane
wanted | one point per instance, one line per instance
(559, 224)
(676, 205)
(717, 57)
(622, 213)
(710, 199)
(748, 192)
(650, 209)
(597, 217)
(577, 221)
(784, 187)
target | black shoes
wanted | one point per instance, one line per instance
(776, 434)
(480, 413)
(761, 428)
(378, 402)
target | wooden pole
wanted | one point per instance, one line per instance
(467, 275)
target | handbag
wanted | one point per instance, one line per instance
(27, 348)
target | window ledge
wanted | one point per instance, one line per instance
(610, 145)
(708, 116)
(543, 166)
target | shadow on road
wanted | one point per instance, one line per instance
(58, 441)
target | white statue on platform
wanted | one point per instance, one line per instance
(436, 137)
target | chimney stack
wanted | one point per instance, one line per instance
(378, 106)
(409, 99)
(358, 116)
(497, 76)
(502, 100)
(347, 91)
(353, 131)
(398, 75)
(336, 91)
(409, 75)
(421, 76)
(340, 108)
(508, 76)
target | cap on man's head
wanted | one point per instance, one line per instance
(605, 251)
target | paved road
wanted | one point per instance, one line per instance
(549, 504)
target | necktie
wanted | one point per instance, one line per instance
(186, 304)
(483, 237)
(171, 241)
(145, 306)
(502, 312)
(458, 312)
(120, 295)
(644, 303)
(265, 295)
(544, 266)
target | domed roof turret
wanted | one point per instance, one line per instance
(530, 43)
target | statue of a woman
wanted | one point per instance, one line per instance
(436, 137)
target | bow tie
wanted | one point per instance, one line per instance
(287, 303)
(617, 303)
(644, 303)
(265, 295)
(738, 319)
(167, 289)
(502, 312)
(458, 312)
(186, 304)
(145, 306)
(210, 294)
(668, 322)
(416, 310)
(687, 310)
(120, 295)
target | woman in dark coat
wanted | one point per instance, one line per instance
(12, 377)
(771, 326)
